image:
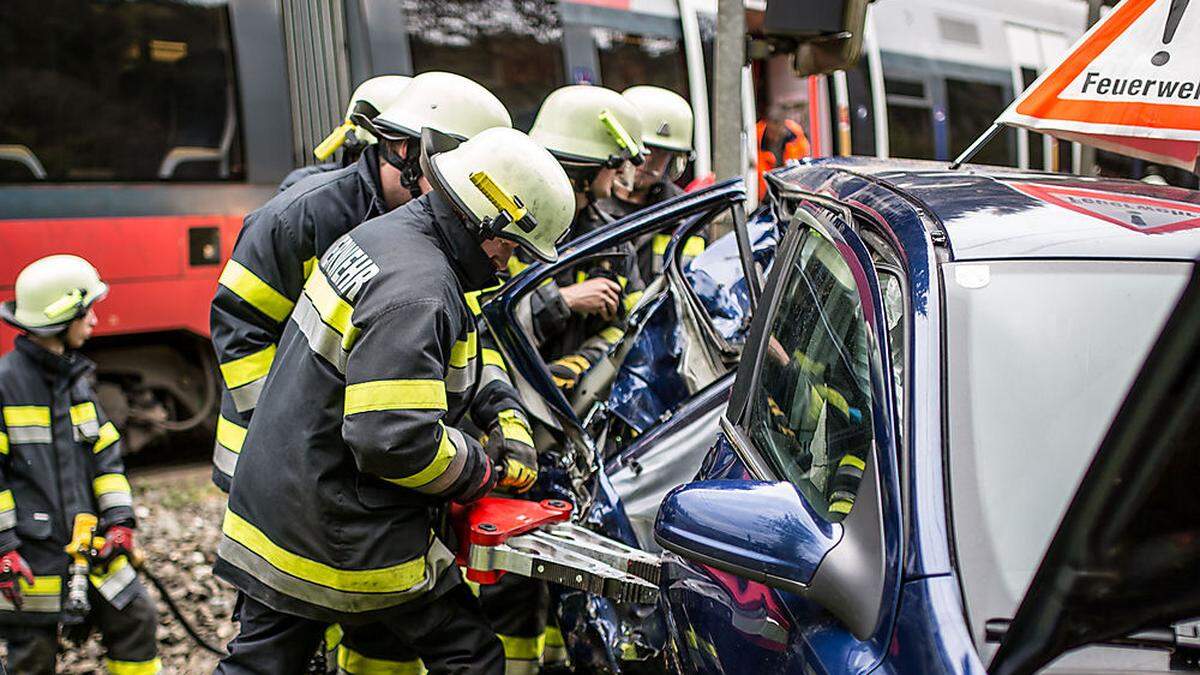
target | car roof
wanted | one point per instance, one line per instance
(990, 212)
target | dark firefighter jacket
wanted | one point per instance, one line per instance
(59, 456)
(297, 175)
(651, 247)
(576, 341)
(354, 448)
(274, 254)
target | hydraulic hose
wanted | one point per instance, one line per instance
(187, 625)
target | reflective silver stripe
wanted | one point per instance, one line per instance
(493, 374)
(34, 603)
(521, 667)
(118, 582)
(245, 397)
(322, 339)
(554, 654)
(28, 435)
(437, 560)
(8, 519)
(453, 470)
(109, 500)
(459, 380)
(224, 459)
(88, 430)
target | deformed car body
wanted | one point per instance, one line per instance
(934, 360)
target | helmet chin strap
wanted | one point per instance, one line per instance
(409, 165)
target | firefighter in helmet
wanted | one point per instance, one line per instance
(60, 458)
(369, 99)
(667, 126)
(377, 365)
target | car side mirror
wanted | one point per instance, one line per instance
(766, 532)
(758, 530)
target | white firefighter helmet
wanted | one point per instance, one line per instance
(589, 125)
(505, 185)
(371, 97)
(666, 117)
(52, 292)
(448, 103)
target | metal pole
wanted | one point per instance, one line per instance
(841, 94)
(1087, 154)
(727, 88)
(976, 146)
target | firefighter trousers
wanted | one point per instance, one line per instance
(128, 637)
(517, 608)
(450, 635)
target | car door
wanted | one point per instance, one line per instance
(803, 482)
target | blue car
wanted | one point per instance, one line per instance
(870, 462)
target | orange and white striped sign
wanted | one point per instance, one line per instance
(1130, 85)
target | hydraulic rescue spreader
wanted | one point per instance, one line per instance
(534, 539)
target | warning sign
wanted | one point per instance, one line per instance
(1148, 215)
(1131, 84)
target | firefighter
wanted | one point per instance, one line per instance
(60, 456)
(667, 125)
(369, 99)
(353, 450)
(595, 133)
(280, 242)
(780, 140)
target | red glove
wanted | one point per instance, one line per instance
(117, 540)
(12, 566)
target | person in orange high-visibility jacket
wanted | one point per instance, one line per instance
(779, 139)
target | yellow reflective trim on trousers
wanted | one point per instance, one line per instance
(395, 395)
(333, 309)
(110, 482)
(693, 247)
(464, 350)
(3, 443)
(27, 415)
(851, 460)
(353, 663)
(523, 648)
(393, 579)
(445, 454)
(108, 436)
(515, 427)
(7, 503)
(83, 412)
(309, 266)
(249, 368)
(249, 287)
(491, 357)
(612, 335)
(661, 241)
(151, 667)
(230, 435)
(554, 637)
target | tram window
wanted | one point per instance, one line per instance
(972, 106)
(117, 91)
(512, 48)
(910, 130)
(628, 59)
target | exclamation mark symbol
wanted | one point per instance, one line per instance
(1173, 17)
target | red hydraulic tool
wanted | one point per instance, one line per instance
(534, 539)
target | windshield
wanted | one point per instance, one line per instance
(1040, 355)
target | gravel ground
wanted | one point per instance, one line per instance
(179, 518)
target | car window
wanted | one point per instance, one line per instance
(892, 290)
(810, 411)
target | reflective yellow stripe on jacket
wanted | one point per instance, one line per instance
(112, 489)
(27, 424)
(249, 287)
(44, 595)
(151, 667)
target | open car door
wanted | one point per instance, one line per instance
(1122, 567)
